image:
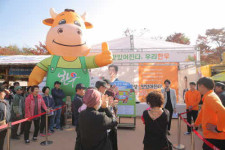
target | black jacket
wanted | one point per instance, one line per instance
(113, 132)
(58, 96)
(76, 104)
(93, 126)
(2, 110)
(222, 97)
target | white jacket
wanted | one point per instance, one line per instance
(173, 97)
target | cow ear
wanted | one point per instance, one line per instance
(88, 25)
(48, 21)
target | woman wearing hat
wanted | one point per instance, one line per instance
(94, 124)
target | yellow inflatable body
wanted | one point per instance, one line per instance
(69, 62)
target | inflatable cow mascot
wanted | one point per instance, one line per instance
(69, 62)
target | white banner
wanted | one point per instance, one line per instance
(154, 56)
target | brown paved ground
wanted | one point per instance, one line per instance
(127, 139)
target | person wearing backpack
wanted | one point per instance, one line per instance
(4, 115)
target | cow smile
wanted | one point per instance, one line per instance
(68, 45)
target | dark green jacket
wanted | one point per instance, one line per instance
(18, 106)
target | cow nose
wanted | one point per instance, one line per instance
(60, 30)
(79, 32)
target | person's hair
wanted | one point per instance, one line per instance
(192, 83)
(206, 82)
(15, 83)
(57, 82)
(28, 88)
(167, 81)
(185, 77)
(98, 84)
(33, 87)
(220, 84)
(107, 81)
(115, 67)
(78, 89)
(45, 88)
(155, 99)
(5, 82)
(110, 93)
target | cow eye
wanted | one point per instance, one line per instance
(62, 21)
(77, 23)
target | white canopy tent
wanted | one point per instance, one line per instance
(133, 43)
(184, 55)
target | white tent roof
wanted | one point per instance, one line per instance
(22, 59)
(143, 43)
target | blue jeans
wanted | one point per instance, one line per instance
(57, 116)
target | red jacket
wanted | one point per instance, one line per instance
(30, 105)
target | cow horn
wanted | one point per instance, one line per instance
(53, 13)
(84, 16)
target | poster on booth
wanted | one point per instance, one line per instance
(153, 75)
(126, 98)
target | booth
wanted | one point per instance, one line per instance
(146, 63)
(142, 62)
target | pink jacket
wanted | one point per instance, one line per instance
(30, 105)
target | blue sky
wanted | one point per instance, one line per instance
(21, 20)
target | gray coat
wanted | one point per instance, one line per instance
(2, 110)
(173, 97)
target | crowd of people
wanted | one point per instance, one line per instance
(94, 113)
(17, 103)
(98, 107)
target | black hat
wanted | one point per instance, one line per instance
(98, 84)
(80, 86)
(57, 82)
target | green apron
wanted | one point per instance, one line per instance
(69, 77)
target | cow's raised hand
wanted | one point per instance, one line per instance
(104, 58)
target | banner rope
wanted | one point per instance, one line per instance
(198, 134)
(30, 118)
